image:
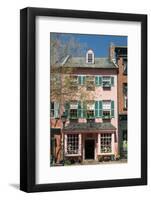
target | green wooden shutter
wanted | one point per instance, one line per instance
(100, 109)
(79, 80)
(96, 108)
(112, 81)
(79, 110)
(84, 110)
(83, 80)
(96, 80)
(67, 109)
(100, 80)
(112, 108)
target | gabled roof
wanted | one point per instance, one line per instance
(104, 63)
(89, 127)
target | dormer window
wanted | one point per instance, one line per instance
(90, 57)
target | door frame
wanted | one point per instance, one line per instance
(88, 138)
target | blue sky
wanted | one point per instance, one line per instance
(99, 43)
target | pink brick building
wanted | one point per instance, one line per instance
(91, 128)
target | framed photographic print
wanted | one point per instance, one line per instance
(83, 99)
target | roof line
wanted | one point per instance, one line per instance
(65, 60)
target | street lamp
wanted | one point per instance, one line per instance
(63, 119)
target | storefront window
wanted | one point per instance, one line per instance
(72, 144)
(106, 143)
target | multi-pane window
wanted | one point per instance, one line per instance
(74, 83)
(90, 110)
(72, 144)
(106, 109)
(90, 83)
(89, 57)
(106, 81)
(106, 143)
(125, 95)
(73, 110)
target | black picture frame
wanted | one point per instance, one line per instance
(28, 98)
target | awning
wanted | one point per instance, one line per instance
(88, 127)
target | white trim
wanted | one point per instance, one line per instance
(80, 143)
(99, 140)
(65, 143)
(92, 53)
(113, 143)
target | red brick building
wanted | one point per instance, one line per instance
(119, 55)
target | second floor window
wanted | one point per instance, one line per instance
(73, 110)
(90, 110)
(106, 109)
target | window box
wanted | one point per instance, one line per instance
(73, 117)
(106, 85)
(90, 117)
(106, 117)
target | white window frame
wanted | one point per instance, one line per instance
(91, 107)
(66, 145)
(92, 54)
(109, 80)
(112, 144)
(104, 101)
(74, 106)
